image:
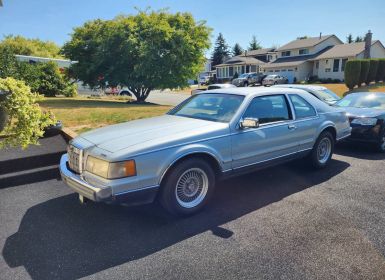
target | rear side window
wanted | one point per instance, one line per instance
(268, 109)
(302, 108)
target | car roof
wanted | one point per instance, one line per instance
(222, 85)
(310, 87)
(252, 91)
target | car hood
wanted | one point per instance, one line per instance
(362, 112)
(142, 135)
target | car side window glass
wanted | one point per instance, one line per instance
(302, 108)
(268, 109)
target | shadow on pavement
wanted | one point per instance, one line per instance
(357, 150)
(61, 239)
(31, 162)
(30, 178)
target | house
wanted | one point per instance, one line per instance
(295, 60)
(249, 61)
(323, 56)
(331, 64)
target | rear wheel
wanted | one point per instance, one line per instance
(245, 84)
(187, 187)
(322, 151)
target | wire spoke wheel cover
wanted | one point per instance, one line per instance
(324, 150)
(191, 187)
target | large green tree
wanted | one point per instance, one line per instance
(24, 46)
(221, 51)
(254, 44)
(237, 49)
(144, 51)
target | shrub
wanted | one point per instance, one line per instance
(236, 76)
(372, 74)
(365, 64)
(352, 73)
(70, 91)
(381, 70)
(25, 120)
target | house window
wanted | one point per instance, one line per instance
(253, 68)
(336, 65)
(290, 70)
(303, 51)
(317, 65)
(327, 69)
(343, 64)
(276, 70)
(231, 71)
(286, 53)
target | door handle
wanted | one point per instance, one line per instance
(292, 127)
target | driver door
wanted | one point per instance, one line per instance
(274, 138)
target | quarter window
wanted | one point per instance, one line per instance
(302, 108)
(268, 109)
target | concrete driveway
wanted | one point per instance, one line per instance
(286, 222)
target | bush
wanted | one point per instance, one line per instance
(352, 73)
(381, 70)
(71, 90)
(365, 64)
(25, 121)
(372, 74)
(236, 76)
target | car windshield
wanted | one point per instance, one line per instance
(215, 107)
(375, 101)
(327, 95)
(244, 76)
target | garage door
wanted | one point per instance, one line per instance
(288, 74)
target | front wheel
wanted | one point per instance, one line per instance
(381, 145)
(188, 187)
(322, 151)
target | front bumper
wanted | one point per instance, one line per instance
(104, 193)
(363, 133)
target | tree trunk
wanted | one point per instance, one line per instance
(140, 93)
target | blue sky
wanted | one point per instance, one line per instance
(273, 22)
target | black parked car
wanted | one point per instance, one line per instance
(366, 112)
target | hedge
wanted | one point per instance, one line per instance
(372, 71)
(381, 70)
(352, 73)
(365, 64)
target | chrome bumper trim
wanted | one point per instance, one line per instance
(80, 186)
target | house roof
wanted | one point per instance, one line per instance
(304, 43)
(344, 50)
(291, 61)
(241, 60)
(260, 51)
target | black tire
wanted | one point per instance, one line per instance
(316, 160)
(169, 198)
(245, 84)
(275, 83)
(380, 147)
(125, 93)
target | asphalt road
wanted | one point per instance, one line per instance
(286, 222)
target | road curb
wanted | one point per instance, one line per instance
(68, 134)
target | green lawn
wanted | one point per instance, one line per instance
(341, 89)
(82, 114)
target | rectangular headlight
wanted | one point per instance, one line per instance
(365, 121)
(111, 170)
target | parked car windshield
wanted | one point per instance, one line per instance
(375, 101)
(244, 76)
(327, 95)
(215, 107)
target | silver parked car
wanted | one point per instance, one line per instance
(322, 93)
(212, 86)
(248, 79)
(177, 158)
(274, 80)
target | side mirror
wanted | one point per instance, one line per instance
(249, 123)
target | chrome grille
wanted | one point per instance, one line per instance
(75, 156)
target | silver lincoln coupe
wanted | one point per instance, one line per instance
(178, 158)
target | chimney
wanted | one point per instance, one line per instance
(320, 35)
(368, 44)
